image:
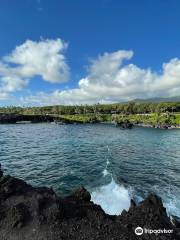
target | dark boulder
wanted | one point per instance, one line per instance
(124, 124)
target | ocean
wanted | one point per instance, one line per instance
(114, 164)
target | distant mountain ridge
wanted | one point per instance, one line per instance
(156, 100)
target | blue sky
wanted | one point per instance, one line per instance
(77, 52)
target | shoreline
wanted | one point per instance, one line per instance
(157, 127)
(26, 119)
(29, 212)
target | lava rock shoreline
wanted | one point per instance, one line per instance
(14, 118)
(19, 118)
(37, 213)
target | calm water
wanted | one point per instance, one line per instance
(113, 164)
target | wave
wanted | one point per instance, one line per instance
(172, 205)
(105, 172)
(113, 198)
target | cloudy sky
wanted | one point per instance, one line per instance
(83, 52)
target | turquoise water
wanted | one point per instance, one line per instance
(113, 164)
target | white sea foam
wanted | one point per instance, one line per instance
(113, 198)
(105, 172)
(172, 206)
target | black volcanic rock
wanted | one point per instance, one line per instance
(81, 194)
(31, 213)
(125, 124)
(14, 118)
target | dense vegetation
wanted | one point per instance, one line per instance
(120, 108)
(136, 112)
(152, 119)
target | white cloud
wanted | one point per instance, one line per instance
(110, 79)
(4, 95)
(44, 58)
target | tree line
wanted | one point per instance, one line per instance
(118, 108)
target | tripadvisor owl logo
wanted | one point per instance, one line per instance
(139, 231)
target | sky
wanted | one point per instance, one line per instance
(85, 52)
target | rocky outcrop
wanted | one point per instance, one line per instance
(19, 118)
(124, 124)
(15, 118)
(161, 126)
(28, 213)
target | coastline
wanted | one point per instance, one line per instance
(123, 123)
(157, 126)
(38, 213)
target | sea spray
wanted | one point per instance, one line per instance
(105, 171)
(113, 198)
